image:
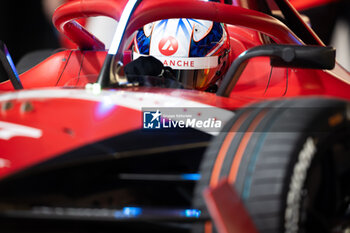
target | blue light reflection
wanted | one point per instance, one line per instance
(104, 108)
(137, 212)
(132, 211)
(192, 213)
(9, 59)
(191, 176)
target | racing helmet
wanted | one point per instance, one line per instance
(196, 50)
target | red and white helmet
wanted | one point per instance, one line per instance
(196, 49)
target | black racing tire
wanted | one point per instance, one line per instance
(289, 160)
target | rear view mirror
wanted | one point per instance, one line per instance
(294, 56)
(7, 68)
(309, 57)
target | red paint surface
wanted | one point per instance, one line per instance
(76, 68)
(227, 209)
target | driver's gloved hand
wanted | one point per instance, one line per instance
(148, 66)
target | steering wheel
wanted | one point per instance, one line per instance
(150, 11)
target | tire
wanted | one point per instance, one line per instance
(289, 161)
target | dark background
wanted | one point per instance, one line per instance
(24, 27)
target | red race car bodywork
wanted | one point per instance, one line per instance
(66, 68)
(55, 116)
(303, 5)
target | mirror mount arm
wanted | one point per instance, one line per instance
(236, 69)
(294, 56)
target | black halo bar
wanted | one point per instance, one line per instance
(116, 46)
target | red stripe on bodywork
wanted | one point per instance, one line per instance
(66, 124)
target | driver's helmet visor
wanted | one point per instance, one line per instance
(195, 79)
(192, 72)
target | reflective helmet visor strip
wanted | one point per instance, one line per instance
(191, 71)
(195, 79)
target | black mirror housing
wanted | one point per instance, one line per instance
(308, 57)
